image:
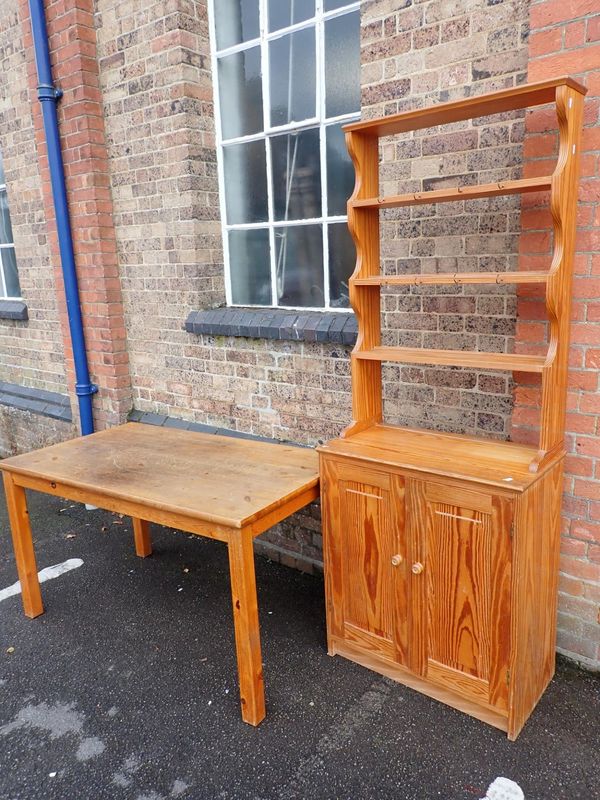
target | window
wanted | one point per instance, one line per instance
(9, 279)
(287, 79)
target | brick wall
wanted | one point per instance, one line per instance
(31, 352)
(565, 39)
(415, 55)
(72, 40)
(158, 101)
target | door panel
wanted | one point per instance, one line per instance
(363, 536)
(458, 579)
(462, 540)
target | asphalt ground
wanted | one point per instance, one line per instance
(126, 689)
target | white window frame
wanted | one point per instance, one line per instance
(320, 120)
(3, 290)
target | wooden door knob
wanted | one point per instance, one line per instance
(396, 560)
(417, 568)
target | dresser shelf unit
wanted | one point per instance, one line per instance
(441, 550)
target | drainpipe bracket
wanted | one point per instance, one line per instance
(85, 389)
(46, 91)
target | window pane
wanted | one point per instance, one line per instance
(240, 92)
(299, 254)
(329, 5)
(11, 277)
(340, 172)
(250, 267)
(293, 77)
(6, 234)
(236, 21)
(245, 168)
(296, 175)
(287, 12)
(342, 258)
(2, 177)
(342, 65)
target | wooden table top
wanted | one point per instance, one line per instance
(219, 479)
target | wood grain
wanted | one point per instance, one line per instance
(141, 535)
(534, 595)
(563, 205)
(454, 278)
(367, 408)
(529, 94)
(366, 593)
(23, 547)
(247, 633)
(463, 540)
(516, 362)
(523, 185)
(230, 482)
(490, 462)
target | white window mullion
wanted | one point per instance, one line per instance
(320, 72)
(289, 223)
(3, 287)
(266, 93)
(338, 12)
(219, 143)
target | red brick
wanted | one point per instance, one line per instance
(545, 41)
(567, 62)
(574, 547)
(560, 11)
(578, 568)
(593, 29)
(574, 34)
(570, 586)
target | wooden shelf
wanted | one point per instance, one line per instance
(451, 278)
(530, 94)
(465, 457)
(460, 193)
(454, 358)
(364, 221)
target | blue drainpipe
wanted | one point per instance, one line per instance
(49, 96)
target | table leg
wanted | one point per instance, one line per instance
(23, 546)
(141, 534)
(247, 632)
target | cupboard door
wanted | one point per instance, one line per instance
(365, 557)
(461, 588)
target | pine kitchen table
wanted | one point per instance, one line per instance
(221, 487)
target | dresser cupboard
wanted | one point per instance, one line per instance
(441, 550)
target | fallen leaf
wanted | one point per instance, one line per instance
(10, 649)
(70, 535)
(117, 522)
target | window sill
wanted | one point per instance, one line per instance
(36, 401)
(13, 309)
(275, 323)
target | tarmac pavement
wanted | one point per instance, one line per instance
(125, 689)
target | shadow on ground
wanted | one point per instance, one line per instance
(126, 689)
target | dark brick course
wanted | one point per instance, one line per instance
(276, 323)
